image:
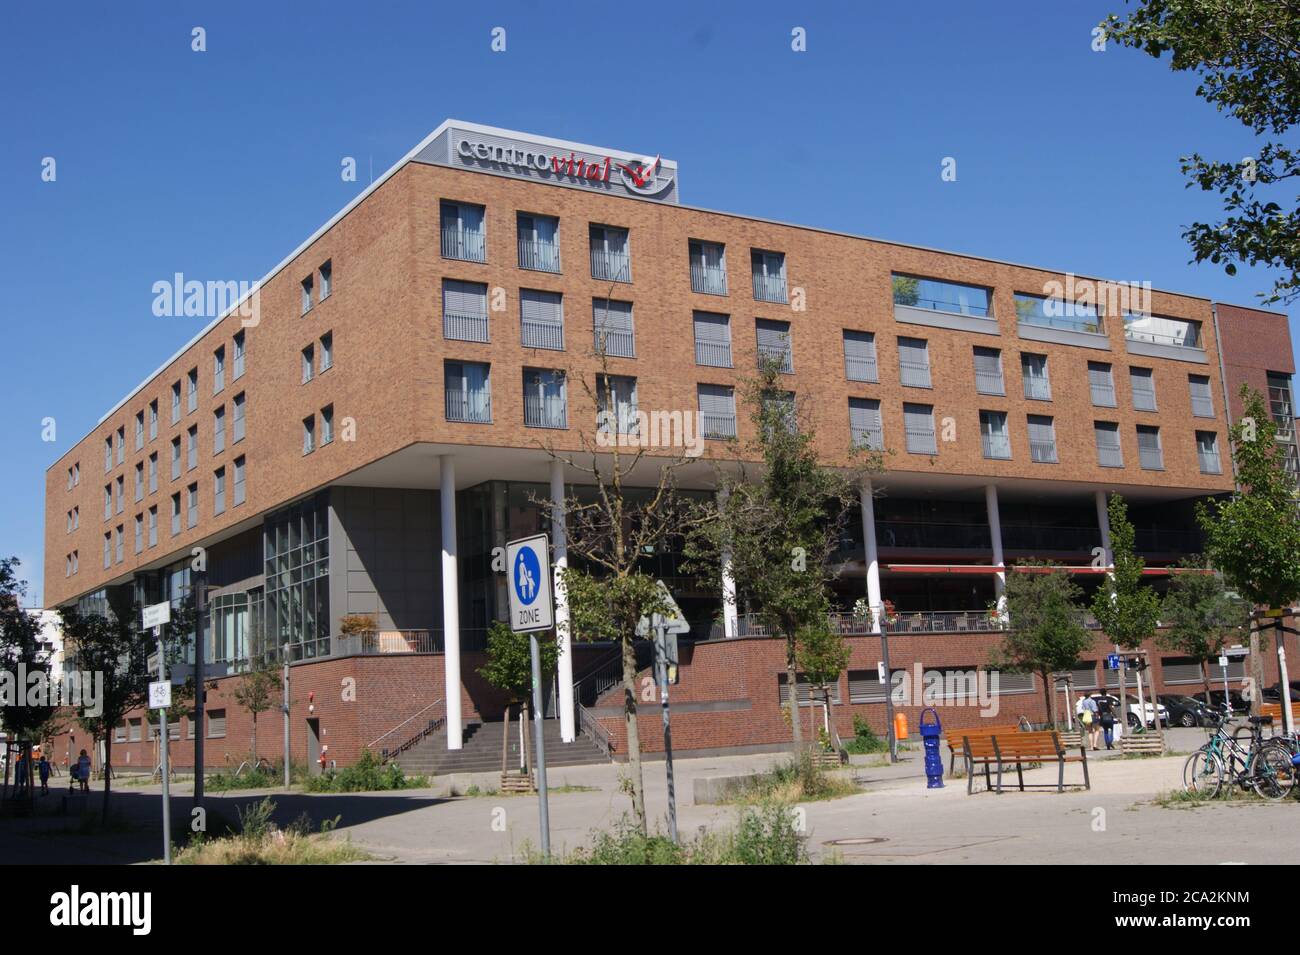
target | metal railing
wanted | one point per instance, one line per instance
(1202, 406)
(544, 414)
(914, 373)
(1144, 400)
(941, 305)
(716, 354)
(610, 266)
(1042, 452)
(1151, 459)
(871, 438)
(539, 256)
(989, 383)
(1103, 396)
(1091, 325)
(1209, 462)
(535, 334)
(921, 441)
(710, 280)
(464, 245)
(465, 327)
(375, 642)
(779, 353)
(1039, 388)
(591, 726)
(428, 728)
(861, 368)
(615, 342)
(1191, 340)
(769, 288)
(717, 425)
(996, 446)
(1110, 456)
(475, 409)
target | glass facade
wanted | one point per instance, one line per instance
(296, 551)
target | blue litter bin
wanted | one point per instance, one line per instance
(930, 728)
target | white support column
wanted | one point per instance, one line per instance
(873, 562)
(560, 554)
(995, 534)
(1103, 524)
(729, 610)
(450, 599)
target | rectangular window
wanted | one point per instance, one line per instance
(539, 242)
(865, 424)
(192, 505)
(120, 488)
(139, 430)
(616, 404)
(717, 411)
(463, 235)
(612, 329)
(940, 296)
(768, 270)
(119, 535)
(218, 369)
(176, 458)
(1142, 382)
(192, 448)
(306, 295)
(994, 435)
(918, 427)
(545, 399)
(1159, 330)
(541, 318)
(712, 339)
(108, 550)
(1042, 439)
(860, 356)
(192, 390)
(468, 390)
(121, 445)
(914, 362)
(139, 481)
(708, 267)
(238, 490)
(774, 344)
(326, 279)
(219, 430)
(237, 419)
(988, 372)
(108, 454)
(153, 526)
(309, 434)
(153, 472)
(1102, 384)
(464, 311)
(1207, 452)
(218, 491)
(327, 425)
(139, 533)
(176, 513)
(1202, 400)
(153, 419)
(326, 352)
(610, 259)
(1150, 455)
(176, 402)
(1033, 369)
(108, 500)
(308, 363)
(238, 370)
(1057, 313)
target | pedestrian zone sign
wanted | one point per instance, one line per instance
(528, 562)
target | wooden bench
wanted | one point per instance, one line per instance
(981, 732)
(999, 752)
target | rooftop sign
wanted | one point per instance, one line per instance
(505, 152)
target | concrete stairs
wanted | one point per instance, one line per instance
(481, 751)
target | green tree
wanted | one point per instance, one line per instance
(1246, 55)
(24, 715)
(1200, 615)
(1045, 634)
(822, 655)
(781, 529)
(1253, 537)
(509, 668)
(256, 691)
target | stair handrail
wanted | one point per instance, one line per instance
(591, 726)
(405, 721)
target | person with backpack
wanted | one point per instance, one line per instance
(1087, 710)
(1106, 717)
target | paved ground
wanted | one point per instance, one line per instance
(896, 819)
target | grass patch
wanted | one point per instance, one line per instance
(764, 835)
(249, 779)
(260, 842)
(475, 791)
(367, 774)
(1183, 799)
(798, 780)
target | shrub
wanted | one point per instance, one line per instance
(864, 739)
(367, 774)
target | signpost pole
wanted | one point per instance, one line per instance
(661, 661)
(285, 707)
(163, 738)
(539, 736)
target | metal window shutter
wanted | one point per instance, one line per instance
(1041, 429)
(464, 298)
(988, 361)
(717, 399)
(864, 414)
(545, 308)
(1099, 376)
(712, 328)
(1107, 436)
(1013, 682)
(914, 350)
(1148, 438)
(918, 417)
(1083, 676)
(773, 336)
(860, 345)
(1141, 380)
(612, 315)
(1200, 387)
(865, 686)
(805, 690)
(1181, 670)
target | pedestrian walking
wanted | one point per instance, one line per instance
(83, 771)
(44, 767)
(1106, 716)
(1087, 709)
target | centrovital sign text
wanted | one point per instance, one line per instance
(528, 562)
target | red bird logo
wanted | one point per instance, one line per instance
(642, 175)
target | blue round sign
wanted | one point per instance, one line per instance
(527, 576)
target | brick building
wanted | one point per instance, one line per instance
(359, 441)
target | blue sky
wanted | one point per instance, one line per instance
(217, 164)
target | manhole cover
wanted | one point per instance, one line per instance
(860, 841)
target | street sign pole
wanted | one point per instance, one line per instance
(661, 658)
(164, 737)
(543, 807)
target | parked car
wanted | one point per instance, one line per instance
(1187, 710)
(1132, 710)
(1235, 700)
(1273, 694)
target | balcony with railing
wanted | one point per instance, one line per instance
(769, 287)
(1103, 395)
(615, 342)
(708, 279)
(1042, 452)
(465, 326)
(463, 244)
(1209, 462)
(997, 446)
(545, 412)
(717, 425)
(610, 266)
(714, 353)
(539, 256)
(989, 382)
(1038, 388)
(542, 334)
(861, 368)
(470, 407)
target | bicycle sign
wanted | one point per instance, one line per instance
(529, 565)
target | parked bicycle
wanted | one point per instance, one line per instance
(1263, 765)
